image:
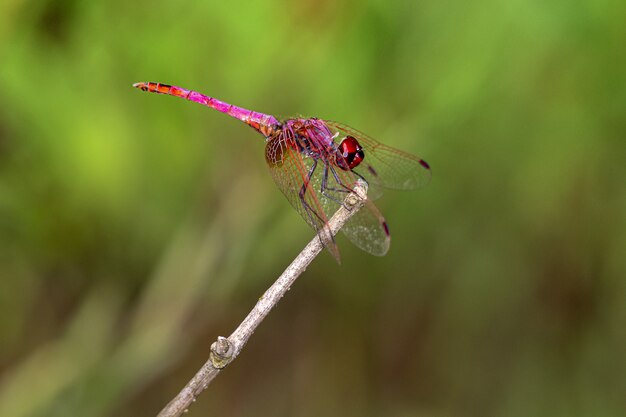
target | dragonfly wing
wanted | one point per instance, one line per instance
(383, 165)
(290, 172)
(367, 229)
(325, 187)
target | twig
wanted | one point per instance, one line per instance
(225, 350)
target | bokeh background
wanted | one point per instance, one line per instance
(136, 228)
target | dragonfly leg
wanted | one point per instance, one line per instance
(360, 176)
(344, 187)
(317, 219)
(324, 188)
(323, 232)
(302, 194)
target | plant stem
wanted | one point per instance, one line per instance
(225, 350)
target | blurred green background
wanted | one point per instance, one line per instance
(136, 228)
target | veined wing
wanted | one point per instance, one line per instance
(324, 192)
(383, 165)
(324, 186)
(290, 171)
(367, 229)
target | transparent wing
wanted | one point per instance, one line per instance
(384, 166)
(367, 229)
(290, 172)
(325, 187)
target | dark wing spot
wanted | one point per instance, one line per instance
(372, 170)
(386, 228)
(424, 164)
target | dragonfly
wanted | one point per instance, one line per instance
(316, 163)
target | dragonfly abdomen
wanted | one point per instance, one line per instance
(263, 123)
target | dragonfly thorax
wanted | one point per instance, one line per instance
(310, 137)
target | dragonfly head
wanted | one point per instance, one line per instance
(350, 154)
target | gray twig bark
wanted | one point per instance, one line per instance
(225, 350)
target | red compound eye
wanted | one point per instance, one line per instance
(350, 152)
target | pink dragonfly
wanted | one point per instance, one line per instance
(316, 163)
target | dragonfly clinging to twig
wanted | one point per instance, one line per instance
(316, 163)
